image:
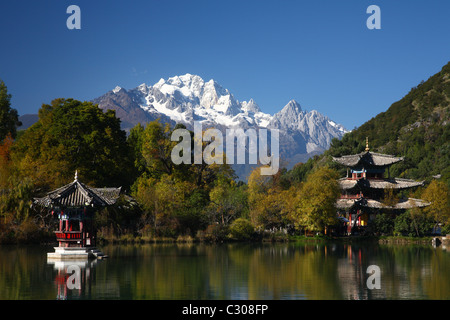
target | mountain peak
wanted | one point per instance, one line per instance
(185, 98)
(292, 107)
(250, 106)
(184, 80)
(116, 89)
(291, 111)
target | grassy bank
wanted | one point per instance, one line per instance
(265, 238)
(404, 240)
(37, 236)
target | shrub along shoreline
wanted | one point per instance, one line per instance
(47, 239)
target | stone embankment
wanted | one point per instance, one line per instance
(441, 241)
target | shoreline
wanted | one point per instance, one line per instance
(129, 239)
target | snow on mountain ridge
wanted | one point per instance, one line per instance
(183, 98)
(190, 94)
(188, 98)
(117, 89)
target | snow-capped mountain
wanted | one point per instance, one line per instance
(318, 129)
(188, 98)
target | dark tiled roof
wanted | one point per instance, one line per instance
(395, 183)
(77, 194)
(370, 203)
(368, 158)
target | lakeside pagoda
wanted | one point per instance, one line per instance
(365, 186)
(74, 206)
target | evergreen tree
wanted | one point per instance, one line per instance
(416, 127)
(9, 119)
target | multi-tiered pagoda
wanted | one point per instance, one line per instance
(74, 205)
(365, 187)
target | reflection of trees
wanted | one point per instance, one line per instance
(299, 272)
(19, 274)
(407, 272)
(230, 271)
(417, 272)
(158, 271)
(271, 271)
(438, 287)
(238, 271)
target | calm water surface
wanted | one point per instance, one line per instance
(229, 271)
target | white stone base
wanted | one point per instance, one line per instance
(64, 253)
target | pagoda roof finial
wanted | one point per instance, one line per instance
(76, 175)
(367, 144)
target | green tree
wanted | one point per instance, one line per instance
(9, 119)
(383, 224)
(412, 223)
(72, 135)
(241, 229)
(227, 201)
(135, 141)
(179, 197)
(157, 147)
(169, 205)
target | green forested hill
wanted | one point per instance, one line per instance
(415, 127)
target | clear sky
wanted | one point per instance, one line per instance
(319, 52)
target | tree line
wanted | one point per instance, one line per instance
(160, 200)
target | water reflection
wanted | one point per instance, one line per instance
(230, 271)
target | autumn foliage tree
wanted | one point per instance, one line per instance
(5, 161)
(316, 200)
(16, 223)
(437, 193)
(228, 201)
(270, 200)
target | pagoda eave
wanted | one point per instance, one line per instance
(374, 204)
(394, 183)
(367, 158)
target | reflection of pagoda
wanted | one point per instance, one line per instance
(364, 188)
(73, 278)
(74, 205)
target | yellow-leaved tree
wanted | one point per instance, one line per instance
(270, 200)
(316, 202)
(437, 193)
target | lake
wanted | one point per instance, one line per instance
(237, 271)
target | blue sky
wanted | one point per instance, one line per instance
(319, 53)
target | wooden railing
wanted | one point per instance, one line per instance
(68, 235)
(353, 196)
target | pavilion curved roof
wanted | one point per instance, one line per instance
(77, 194)
(367, 158)
(408, 203)
(394, 183)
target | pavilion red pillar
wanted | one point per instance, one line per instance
(83, 238)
